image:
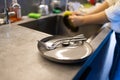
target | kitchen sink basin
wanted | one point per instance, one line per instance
(54, 25)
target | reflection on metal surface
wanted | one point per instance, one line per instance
(59, 54)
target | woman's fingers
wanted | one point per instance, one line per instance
(72, 18)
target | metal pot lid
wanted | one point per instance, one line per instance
(65, 49)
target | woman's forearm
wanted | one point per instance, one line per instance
(100, 8)
(98, 18)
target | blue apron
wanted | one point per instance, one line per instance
(115, 69)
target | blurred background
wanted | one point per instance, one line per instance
(28, 6)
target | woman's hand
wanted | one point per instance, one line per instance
(76, 20)
(97, 16)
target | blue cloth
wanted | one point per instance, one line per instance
(115, 69)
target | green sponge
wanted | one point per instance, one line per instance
(34, 15)
(56, 11)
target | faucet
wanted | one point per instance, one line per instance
(55, 4)
(6, 13)
(66, 5)
(73, 5)
(43, 8)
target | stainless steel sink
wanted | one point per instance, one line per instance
(54, 25)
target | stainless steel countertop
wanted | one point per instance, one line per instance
(20, 58)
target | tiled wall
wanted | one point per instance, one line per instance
(28, 6)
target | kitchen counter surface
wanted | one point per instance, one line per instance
(21, 60)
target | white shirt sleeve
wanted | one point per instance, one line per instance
(111, 2)
(113, 15)
(113, 12)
